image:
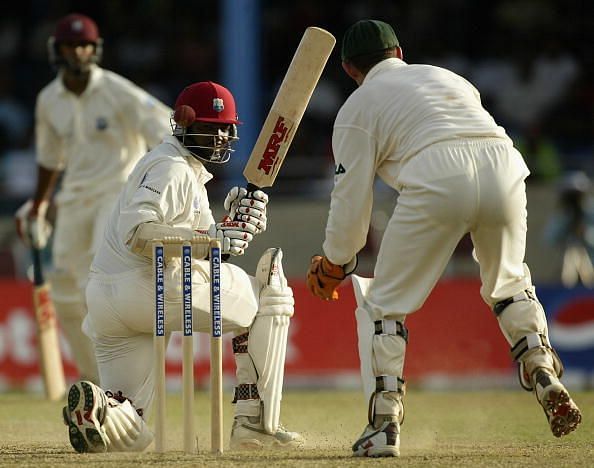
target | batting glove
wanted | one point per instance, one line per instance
(234, 236)
(249, 207)
(33, 228)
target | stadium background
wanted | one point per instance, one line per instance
(532, 61)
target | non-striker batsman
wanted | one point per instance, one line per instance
(91, 127)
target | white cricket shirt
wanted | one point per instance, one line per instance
(398, 110)
(97, 137)
(167, 186)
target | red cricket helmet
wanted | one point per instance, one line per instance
(74, 27)
(210, 101)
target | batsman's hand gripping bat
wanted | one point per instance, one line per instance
(50, 357)
(288, 108)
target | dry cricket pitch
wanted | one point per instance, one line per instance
(441, 429)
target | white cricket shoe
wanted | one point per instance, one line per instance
(382, 442)
(248, 433)
(84, 415)
(562, 413)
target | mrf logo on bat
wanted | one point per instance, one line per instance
(279, 135)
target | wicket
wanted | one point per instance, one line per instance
(216, 370)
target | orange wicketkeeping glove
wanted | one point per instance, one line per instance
(323, 278)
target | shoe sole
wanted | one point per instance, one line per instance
(82, 406)
(565, 416)
(255, 444)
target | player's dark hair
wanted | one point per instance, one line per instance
(365, 62)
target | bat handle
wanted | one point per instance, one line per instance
(38, 279)
(250, 188)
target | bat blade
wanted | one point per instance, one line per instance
(288, 107)
(50, 357)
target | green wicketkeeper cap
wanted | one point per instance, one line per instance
(367, 36)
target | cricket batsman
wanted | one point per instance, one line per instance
(166, 196)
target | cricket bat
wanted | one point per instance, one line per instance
(288, 108)
(50, 357)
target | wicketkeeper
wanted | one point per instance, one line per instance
(423, 131)
(166, 196)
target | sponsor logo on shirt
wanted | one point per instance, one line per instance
(339, 170)
(101, 123)
(148, 187)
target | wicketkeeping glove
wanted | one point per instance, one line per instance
(324, 277)
(249, 207)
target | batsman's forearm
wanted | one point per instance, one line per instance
(46, 183)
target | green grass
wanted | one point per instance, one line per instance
(445, 429)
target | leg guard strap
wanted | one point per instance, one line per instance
(240, 343)
(391, 327)
(533, 350)
(246, 392)
(534, 340)
(387, 384)
(526, 295)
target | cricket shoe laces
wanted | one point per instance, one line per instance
(562, 413)
(248, 433)
(84, 415)
(118, 398)
(379, 442)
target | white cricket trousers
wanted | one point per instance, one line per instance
(447, 190)
(121, 316)
(79, 230)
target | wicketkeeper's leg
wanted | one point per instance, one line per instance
(382, 346)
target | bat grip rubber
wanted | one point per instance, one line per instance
(250, 188)
(38, 279)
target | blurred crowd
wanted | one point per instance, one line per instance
(530, 59)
